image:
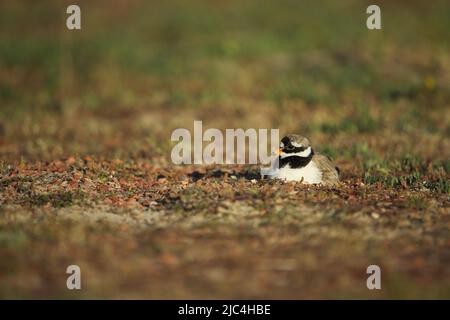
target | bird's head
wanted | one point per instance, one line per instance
(294, 145)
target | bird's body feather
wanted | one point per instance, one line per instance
(308, 174)
(299, 162)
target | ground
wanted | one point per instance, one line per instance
(86, 176)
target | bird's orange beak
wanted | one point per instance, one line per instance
(280, 151)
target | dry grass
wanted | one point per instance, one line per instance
(85, 171)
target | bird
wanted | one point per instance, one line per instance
(297, 161)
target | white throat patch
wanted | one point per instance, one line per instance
(304, 154)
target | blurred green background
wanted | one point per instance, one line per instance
(147, 67)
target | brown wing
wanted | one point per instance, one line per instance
(330, 173)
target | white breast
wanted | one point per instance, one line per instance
(310, 173)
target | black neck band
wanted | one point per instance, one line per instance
(296, 161)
